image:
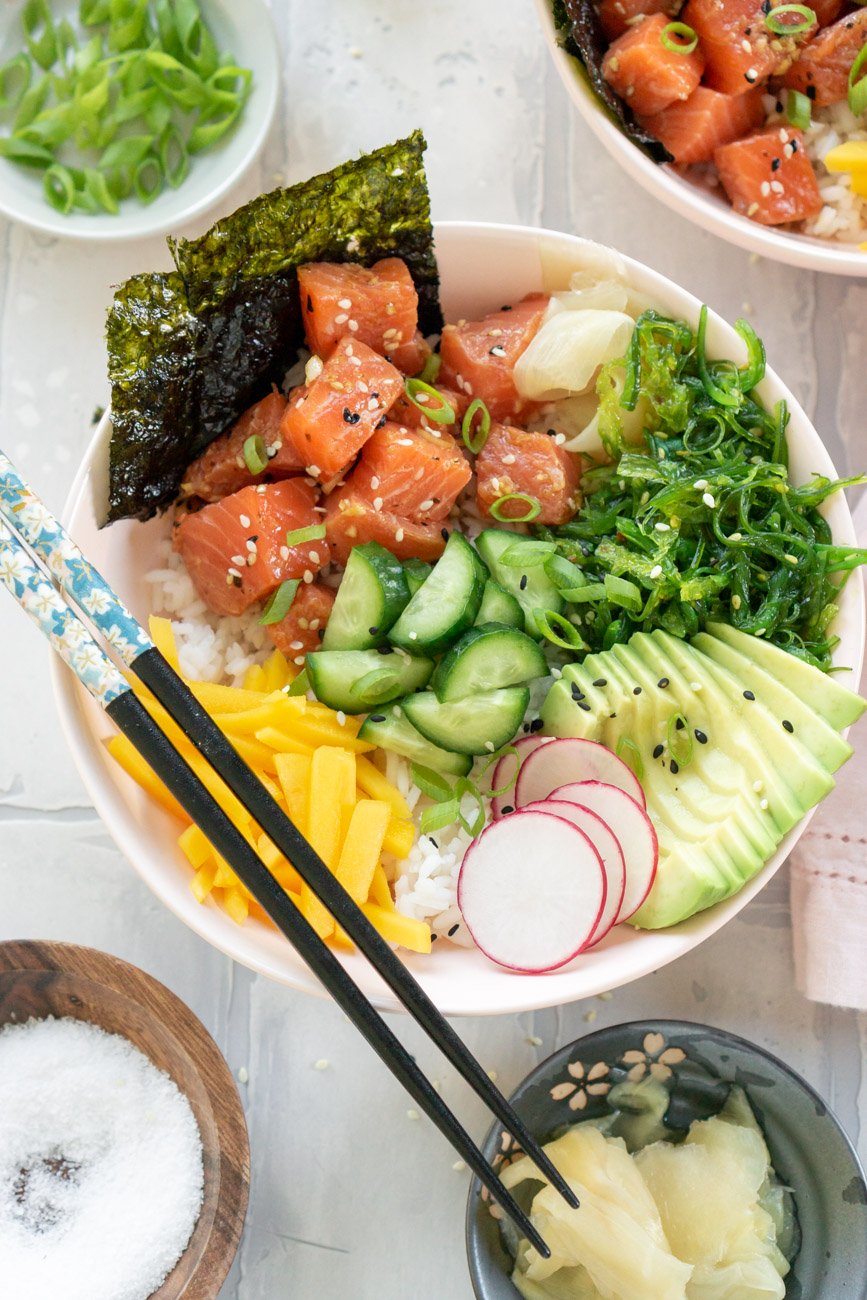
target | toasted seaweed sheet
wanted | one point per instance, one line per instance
(190, 351)
(581, 35)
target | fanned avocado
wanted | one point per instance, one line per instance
(190, 351)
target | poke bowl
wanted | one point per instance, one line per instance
(412, 893)
(832, 238)
(689, 1074)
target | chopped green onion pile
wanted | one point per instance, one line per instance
(447, 798)
(119, 105)
(701, 522)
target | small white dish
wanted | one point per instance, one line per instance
(481, 265)
(708, 208)
(242, 27)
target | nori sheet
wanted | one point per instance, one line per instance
(190, 351)
(581, 35)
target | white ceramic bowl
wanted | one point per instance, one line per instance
(242, 27)
(707, 208)
(481, 266)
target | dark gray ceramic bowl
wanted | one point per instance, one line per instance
(809, 1149)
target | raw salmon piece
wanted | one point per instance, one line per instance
(411, 472)
(692, 130)
(822, 71)
(479, 356)
(330, 424)
(769, 177)
(301, 630)
(617, 16)
(515, 460)
(351, 519)
(646, 74)
(739, 49)
(413, 417)
(376, 305)
(410, 357)
(827, 11)
(235, 549)
(222, 470)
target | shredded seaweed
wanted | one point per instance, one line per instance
(190, 351)
(581, 36)
(702, 521)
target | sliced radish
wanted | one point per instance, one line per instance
(606, 844)
(506, 771)
(633, 828)
(565, 760)
(531, 890)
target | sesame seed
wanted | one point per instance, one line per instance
(244, 521)
(489, 746)
(398, 536)
(243, 1075)
(787, 726)
(778, 187)
(662, 528)
(748, 695)
(662, 683)
(345, 303)
(377, 503)
(341, 319)
(752, 209)
(534, 1040)
(658, 751)
(314, 557)
(792, 559)
(765, 188)
(696, 686)
(353, 326)
(374, 482)
(700, 736)
(308, 576)
(559, 438)
(736, 537)
(708, 500)
(299, 660)
(413, 636)
(412, 1114)
(239, 559)
(758, 786)
(426, 505)
(233, 573)
(509, 458)
(341, 718)
(701, 485)
(763, 804)
(656, 571)
(321, 1064)
(736, 601)
(313, 470)
(459, 1166)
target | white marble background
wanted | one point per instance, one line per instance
(350, 1197)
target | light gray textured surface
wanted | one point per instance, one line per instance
(351, 1198)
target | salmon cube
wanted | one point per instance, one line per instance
(478, 357)
(377, 305)
(302, 628)
(822, 71)
(740, 50)
(222, 470)
(645, 73)
(827, 11)
(617, 16)
(769, 177)
(411, 472)
(516, 460)
(692, 130)
(410, 357)
(351, 519)
(328, 426)
(235, 550)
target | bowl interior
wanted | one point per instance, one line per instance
(481, 266)
(707, 207)
(243, 27)
(48, 979)
(810, 1152)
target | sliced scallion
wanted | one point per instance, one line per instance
(558, 630)
(434, 407)
(312, 533)
(442, 814)
(630, 753)
(679, 38)
(255, 455)
(527, 554)
(533, 510)
(436, 787)
(431, 368)
(475, 825)
(279, 603)
(777, 21)
(474, 440)
(679, 740)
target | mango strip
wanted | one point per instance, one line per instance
(362, 847)
(374, 784)
(397, 928)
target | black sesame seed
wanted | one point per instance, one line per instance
(508, 307)
(385, 649)
(454, 928)
(658, 752)
(523, 583)
(373, 630)
(576, 694)
(775, 164)
(601, 681)
(662, 683)
(236, 581)
(612, 715)
(675, 768)
(584, 706)
(748, 695)
(700, 737)
(811, 92)
(383, 422)
(434, 843)
(636, 690)
(320, 632)
(680, 724)
(536, 725)
(351, 417)
(309, 303)
(444, 534)
(526, 728)
(788, 726)
(377, 717)
(795, 146)
(507, 808)
(434, 937)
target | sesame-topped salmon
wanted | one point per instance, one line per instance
(411, 472)
(769, 177)
(302, 628)
(236, 551)
(532, 465)
(330, 423)
(376, 305)
(352, 519)
(740, 50)
(222, 469)
(648, 74)
(822, 71)
(478, 357)
(617, 16)
(692, 130)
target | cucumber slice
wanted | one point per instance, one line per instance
(477, 725)
(499, 606)
(357, 681)
(531, 587)
(416, 572)
(370, 598)
(488, 658)
(446, 603)
(390, 730)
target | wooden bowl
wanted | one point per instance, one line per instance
(61, 979)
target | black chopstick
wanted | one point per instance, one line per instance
(176, 697)
(131, 717)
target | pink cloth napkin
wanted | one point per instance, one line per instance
(829, 877)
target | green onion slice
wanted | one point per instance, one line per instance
(431, 368)
(527, 554)
(173, 156)
(148, 179)
(679, 739)
(474, 442)
(629, 752)
(558, 630)
(58, 184)
(510, 751)
(15, 77)
(39, 34)
(279, 603)
(858, 84)
(799, 110)
(679, 38)
(442, 412)
(534, 509)
(442, 814)
(312, 533)
(476, 825)
(436, 787)
(255, 455)
(777, 21)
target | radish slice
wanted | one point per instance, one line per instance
(506, 770)
(606, 844)
(633, 828)
(531, 890)
(563, 761)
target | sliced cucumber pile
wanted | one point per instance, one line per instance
(397, 628)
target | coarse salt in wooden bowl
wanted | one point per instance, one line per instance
(38, 980)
